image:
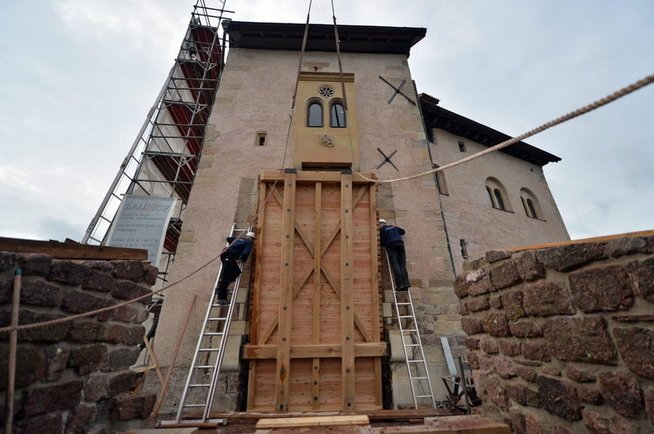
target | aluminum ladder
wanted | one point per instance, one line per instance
(414, 354)
(202, 378)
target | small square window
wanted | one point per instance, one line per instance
(462, 146)
(261, 138)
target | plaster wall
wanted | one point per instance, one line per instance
(467, 208)
(255, 96)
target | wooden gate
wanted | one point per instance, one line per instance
(315, 341)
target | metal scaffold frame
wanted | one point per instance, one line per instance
(165, 155)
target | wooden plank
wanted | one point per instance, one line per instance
(286, 296)
(308, 351)
(315, 176)
(347, 308)
(375, 302)
(72, 250)
(315, 301)
(297, 422)
(582, 241)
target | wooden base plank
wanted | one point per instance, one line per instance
(295, 422)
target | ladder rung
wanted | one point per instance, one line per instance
(423, 396)
(419, 378)
(195, 405)
(204, 367)
(219, 305)
(207, 350)
(411, 345)
(403, 303)
(213, 333)
(199, 385)
(415, 361)
(409, 330)
(406, 316)
(216, 318)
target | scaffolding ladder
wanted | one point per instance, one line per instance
(414, 354)
(202, 378)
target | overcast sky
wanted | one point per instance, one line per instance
(78, 77)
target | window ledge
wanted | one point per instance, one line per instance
(505, 210)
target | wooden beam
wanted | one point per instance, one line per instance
(298, 422)
(315, 176)
(315, 299)
(318, 351)
(374, 285)
(282, 373)
(347, 308)
(582, 241)
(60, 250)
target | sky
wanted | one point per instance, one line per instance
(79, 76)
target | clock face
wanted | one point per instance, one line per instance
(326, 91)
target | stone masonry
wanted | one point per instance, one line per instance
(561, 340)
(75, 376)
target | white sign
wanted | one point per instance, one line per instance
(141, 223)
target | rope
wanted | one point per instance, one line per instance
(573, 114)
(104, 309)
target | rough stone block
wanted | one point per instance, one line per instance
(510, 347)
(80, 419)
(8, 261)
(37, 292)
(579, 375)
(496, 391)
(57, 360)
(96, 387)
(490, 345)
(122, 382)
(636, 346)
(47, 423)
(601, 289)
(121, 358)
(625, 246)
(471, 326)
(523, 395)
(589, 395)
(128, 290)
(496, 301)
(104, 266)
(496, 324)
(52, 333)
(602, 423)
(461, 286)
(546, 299)
(34, 264)
(496, 255)
(129, 270)
(535, 350)
(512, 302)
(30, 365)
(525, 329)
(559, 398)
(150, 274)
(643, 279)
(503, 367)
(69, 273)
(127, 407)
(622, 392)
(648, 396)
(61, 396)
(526, 373)
(528, 266)
(80, 302)
(504, 275)
(87, 359)
(99, 281)
(117, 333)
(471, 343)
(580, 340)
(83, 331)
(477, 304)
(568, 258)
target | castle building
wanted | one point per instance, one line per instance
(293, 145)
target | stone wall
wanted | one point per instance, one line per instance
(561, 340)
(74, 377)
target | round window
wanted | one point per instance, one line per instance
(326, 90)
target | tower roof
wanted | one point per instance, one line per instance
(354, 39)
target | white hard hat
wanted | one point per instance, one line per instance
(382, 221)
(250, 234)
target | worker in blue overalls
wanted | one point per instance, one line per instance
(238, 249)
(391, 239)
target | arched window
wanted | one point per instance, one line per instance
(497, 194)
(531, 204)
(337, 115)
(314, 114)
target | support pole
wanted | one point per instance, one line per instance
(13, 348)
(465, 384)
